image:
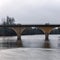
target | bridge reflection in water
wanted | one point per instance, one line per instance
(20, 28)
(34, 41)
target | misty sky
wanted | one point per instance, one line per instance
(31, 11)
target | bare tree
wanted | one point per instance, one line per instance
(8, 21)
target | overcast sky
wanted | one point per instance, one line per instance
(31, 11)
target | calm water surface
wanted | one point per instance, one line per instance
(32, 49)
(29, 41)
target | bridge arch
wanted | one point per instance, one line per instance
(54, 30)
(7, 32)
(30, 31)
(42, 32)
(18, 31)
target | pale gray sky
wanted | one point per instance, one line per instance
(31, 11)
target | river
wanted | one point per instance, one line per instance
(29, 41)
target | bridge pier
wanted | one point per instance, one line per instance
(47, 42)
(46, 31)
(46, 36)
(18, 31)
(19, 41)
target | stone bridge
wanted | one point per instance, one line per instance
(20, 28)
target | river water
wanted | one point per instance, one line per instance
(32, 49)
(30, 41)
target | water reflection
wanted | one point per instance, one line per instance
(34, 41)
(7, 42)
